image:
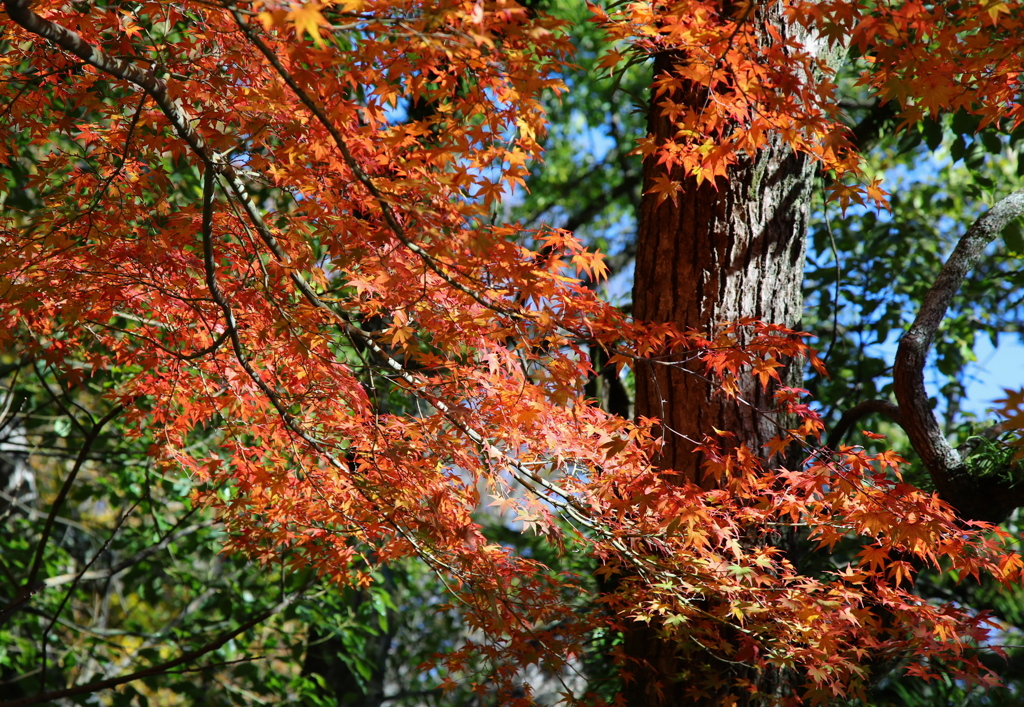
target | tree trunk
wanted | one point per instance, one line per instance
(718, 253)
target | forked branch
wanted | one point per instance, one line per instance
(974, 498)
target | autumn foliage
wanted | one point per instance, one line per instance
(278, 222)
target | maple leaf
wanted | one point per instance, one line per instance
(878, 195)
(818, 674)
(308, 19)
(995, 8)
(778, 445)
(766, 370)
(591, 264)
(370, 355)
(129, 24)
(874, 556)
(609, 60)
(665, 188)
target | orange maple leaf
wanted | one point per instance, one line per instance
(665, 187)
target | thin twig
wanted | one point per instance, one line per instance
(161, 668)
(71, 590)
(30, 586)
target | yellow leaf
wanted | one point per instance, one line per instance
(526, 129)
(272, 19)
(995, 9)
(307, 19)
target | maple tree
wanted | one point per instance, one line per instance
(272, 229)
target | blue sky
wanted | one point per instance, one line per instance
(995, 369)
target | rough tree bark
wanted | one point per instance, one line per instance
(718, 253)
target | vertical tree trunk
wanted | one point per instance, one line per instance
(718, 253)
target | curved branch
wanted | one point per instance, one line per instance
(944, 464)
(858, 411)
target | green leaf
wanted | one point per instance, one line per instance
(1013, 236)
(958, 148)
(964, 123)
(933, 134)
(991, 142)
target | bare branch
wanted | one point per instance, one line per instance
(858, 411)
(87, 575)
(31, 586)
(944, 464)
(71, 590)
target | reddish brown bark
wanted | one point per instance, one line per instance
(717, 253)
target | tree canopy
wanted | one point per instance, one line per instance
(295, 281)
